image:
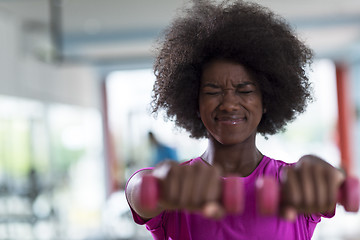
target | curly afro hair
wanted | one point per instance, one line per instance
(242, 32)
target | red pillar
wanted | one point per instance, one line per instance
(109, 146)
(346, 118)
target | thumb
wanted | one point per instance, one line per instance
(213, 210)
(289, 213)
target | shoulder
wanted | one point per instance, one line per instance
(273, 167)
(275, 162)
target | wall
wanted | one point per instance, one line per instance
(25, 74)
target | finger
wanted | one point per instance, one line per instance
(213, 188)
(290, 191)
(200, 185)
(321, 189)
(161, 171)
(306, 180)
(173, 187)
(213, 210)
(334, 179)
(290, 214)
(166, 172)
(187, 186)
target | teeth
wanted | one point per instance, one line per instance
(232, 120)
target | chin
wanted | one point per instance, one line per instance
(233, 139)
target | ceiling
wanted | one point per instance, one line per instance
(113, 31)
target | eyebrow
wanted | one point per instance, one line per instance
(241, 85)
(212, 85)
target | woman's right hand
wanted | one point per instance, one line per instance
(194, 188)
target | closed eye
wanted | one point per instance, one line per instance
(212, 93)
(245, 92)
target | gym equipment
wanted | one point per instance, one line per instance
(232, 195)
(268, 195)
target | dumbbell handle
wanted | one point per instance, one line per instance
(268, 195)
(232, 194)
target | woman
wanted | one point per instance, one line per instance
(227, 72)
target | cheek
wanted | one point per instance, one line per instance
(206, 105)
(205, 113)
(256, 103)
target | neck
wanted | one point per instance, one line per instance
(240, 159)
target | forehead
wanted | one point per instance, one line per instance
(225, 72)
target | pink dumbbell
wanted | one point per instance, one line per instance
(149, 192)
(268, 195)
(232, 194)
(349, 194)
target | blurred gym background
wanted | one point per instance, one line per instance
(75, 87)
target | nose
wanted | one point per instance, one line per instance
(229, 101)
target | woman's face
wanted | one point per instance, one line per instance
(230, 102)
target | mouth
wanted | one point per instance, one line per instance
(230, 120)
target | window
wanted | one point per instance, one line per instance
(51, 170)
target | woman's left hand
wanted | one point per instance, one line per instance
(309, 186)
